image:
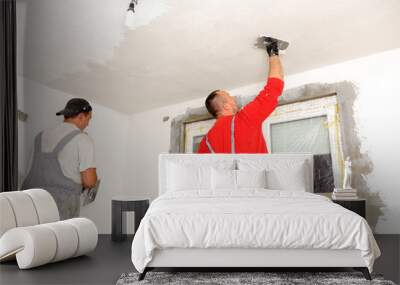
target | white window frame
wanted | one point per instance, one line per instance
(195, 129)
(325, 106)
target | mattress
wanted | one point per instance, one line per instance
(251, 219)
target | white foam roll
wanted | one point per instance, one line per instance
(24, 209)
(34, 246)
(45, 205)
(67, 240)
(87, 234)
(7, 218)
(10, 244)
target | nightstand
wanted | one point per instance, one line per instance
(122, 204)
(356, 205)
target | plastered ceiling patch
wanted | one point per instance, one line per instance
(145, 12)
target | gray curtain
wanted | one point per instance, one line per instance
(8, 97)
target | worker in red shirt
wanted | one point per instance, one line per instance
(240, 131)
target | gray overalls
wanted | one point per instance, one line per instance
(232, 138)
(46, 173)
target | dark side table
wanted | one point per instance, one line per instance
(356, 205)
(122, 204)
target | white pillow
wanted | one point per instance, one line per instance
(289, 178)
(251, 178)
(188, 177)
(223, 179)
(282, 174)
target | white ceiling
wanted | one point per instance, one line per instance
(183, 49)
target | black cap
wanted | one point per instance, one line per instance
(74, 107)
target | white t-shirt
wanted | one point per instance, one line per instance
(77, 155)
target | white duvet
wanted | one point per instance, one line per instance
(252, 218)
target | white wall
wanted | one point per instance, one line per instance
(377, 116)
(108, 128)
(149, 136)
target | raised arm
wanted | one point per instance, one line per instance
(275, 67)
(265, 103)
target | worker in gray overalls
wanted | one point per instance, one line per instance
(63, 159)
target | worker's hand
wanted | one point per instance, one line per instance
(89, 177)
(272, 48)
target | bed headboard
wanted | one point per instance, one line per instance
(215, 159)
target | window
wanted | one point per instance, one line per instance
(194, 132)
(309, 126)
(304, 135)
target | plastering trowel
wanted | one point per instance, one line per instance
(263, 41)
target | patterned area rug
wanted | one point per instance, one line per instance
(275, 278)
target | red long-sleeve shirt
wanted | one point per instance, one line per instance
(249, 137)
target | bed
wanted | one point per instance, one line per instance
(246, 211)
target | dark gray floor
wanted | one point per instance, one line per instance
(102, 266)
(389, 262)
(109, 260)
